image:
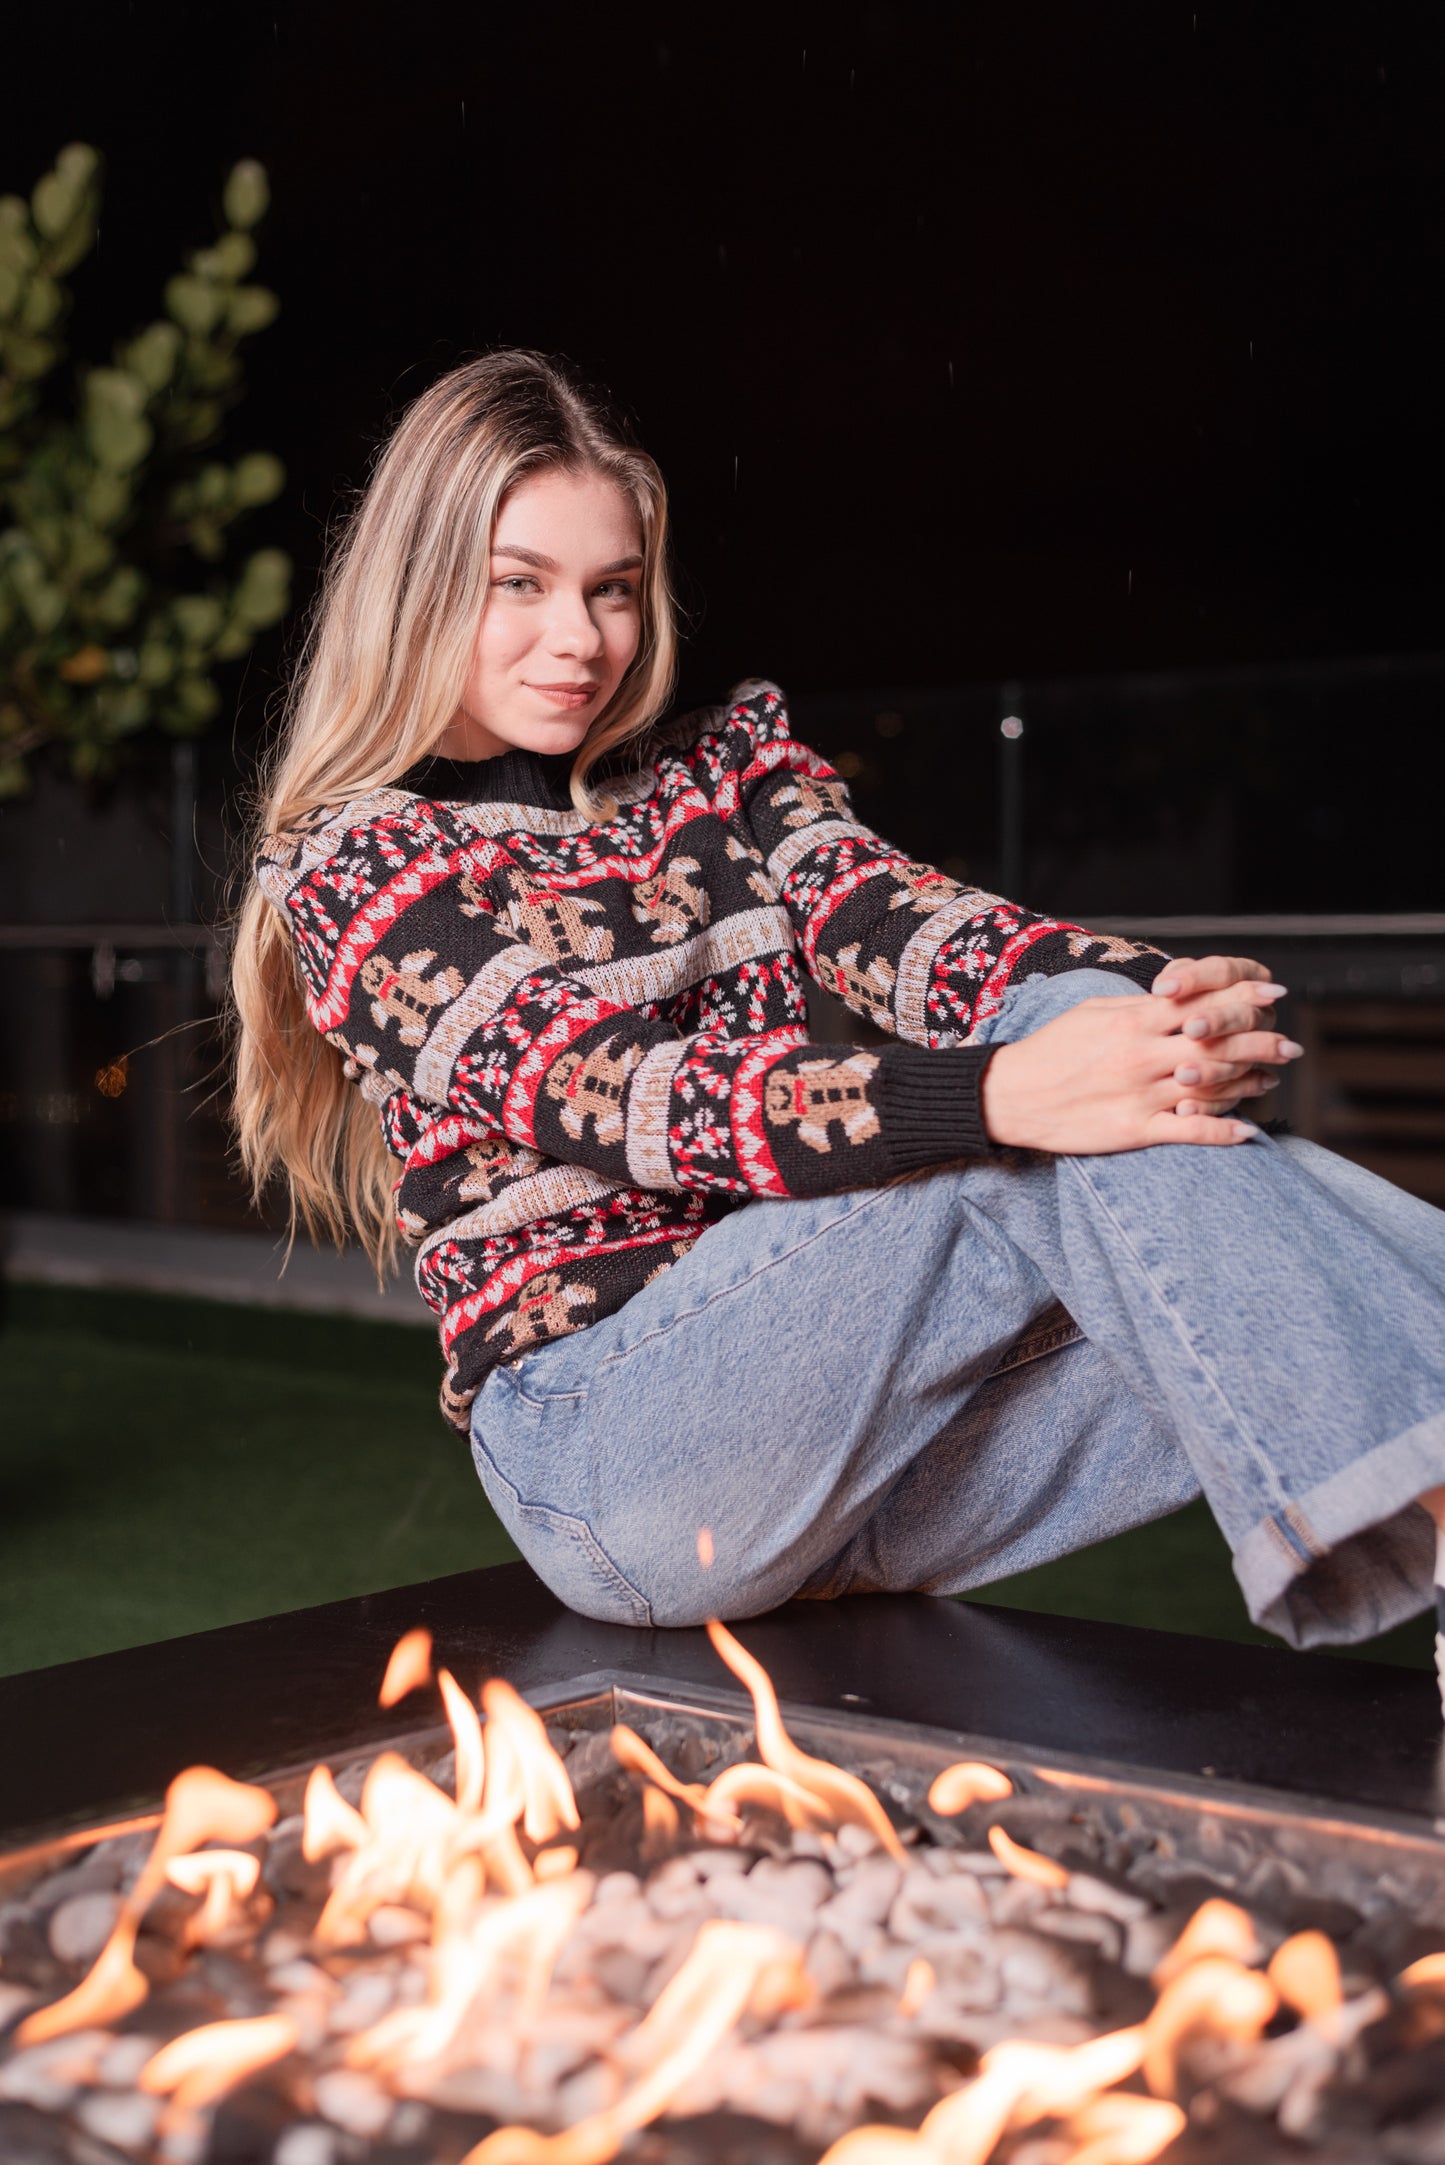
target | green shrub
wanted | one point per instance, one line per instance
(117, 600)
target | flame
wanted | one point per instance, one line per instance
(1026, 1863)
(1216, 1928)
(916, 1987)
(201, 2065)
(408, 1821)
(1121, 2129)
(970, 1782)
(1305, 1972)
(746, 1783)
(705, 1549)
(328, 1821)
(660, 1822)
(226, 1877)
(1212, 1994)
(514, 1729)
(202, 1805)
(467, 1736)
(409, 1667)
(842, 1794)
(729, 1968)
(629, 1751)
(1429, 1970)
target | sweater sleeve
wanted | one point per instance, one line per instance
(921, 955)
(411, 974)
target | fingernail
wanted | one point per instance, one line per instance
(1166, 985)
(1270, 992)
(1289, 1049)
(1271, 1082)
(1197, 1028)
(1187, 1075)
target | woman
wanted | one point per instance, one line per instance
(731, 1316)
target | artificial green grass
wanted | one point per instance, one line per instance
(167, 1465)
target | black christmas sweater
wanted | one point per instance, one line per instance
(587, 1040)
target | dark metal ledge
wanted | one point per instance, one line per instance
(93, 1739)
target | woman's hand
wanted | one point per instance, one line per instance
(1119, 1074)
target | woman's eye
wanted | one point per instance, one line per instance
(515, 583)
(618, 590)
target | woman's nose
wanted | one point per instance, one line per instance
(571, 628)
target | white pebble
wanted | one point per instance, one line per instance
(1086, 1892)
(80, 1927)
(353, 2101)
(14, 2000)
(126, 2118)
(368, 1996)
(393, 1926)
(120, 2063)
(309, 2144)
(48, 2076)
(616, 1887)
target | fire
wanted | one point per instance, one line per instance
(201, 1806)
(731, 1967)
(970, 1782)
(496, 1890)
(1026, 1863)
(201, 2065)
(226, 1877)
(841, 1793)
(1305, 1972)
(409, 1667)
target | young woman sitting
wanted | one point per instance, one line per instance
(731, 1316)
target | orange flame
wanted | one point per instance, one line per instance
(970, 1782)
(521, 1735)
(201, 2065)
(408, 1821)
(916, 1987)
(1212, 1994)
(747, 1783)
(409, 1667)
(1429, 1970)
(328, 1821)
(1121, 2129)
(1216, 1928)
(843, 1795)
(1026, 1863)
(1305, 1972)
(706, 1552)
(729, 1966)
(202, 1805)
(226, 1877)
(629, 1751)
(660, 1822)
(467, 1736)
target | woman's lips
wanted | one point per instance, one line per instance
(567, 695)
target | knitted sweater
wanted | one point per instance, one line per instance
(588, 1041)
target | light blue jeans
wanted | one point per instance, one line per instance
(878, 1391)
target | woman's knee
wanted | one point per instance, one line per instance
(1029, 1004)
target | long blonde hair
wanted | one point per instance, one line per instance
(380, 676)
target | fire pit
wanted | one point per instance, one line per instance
(667, 1921)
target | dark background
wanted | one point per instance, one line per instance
(943, 322)
(1080, 360)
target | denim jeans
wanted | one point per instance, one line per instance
(934, 1384)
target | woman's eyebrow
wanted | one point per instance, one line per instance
(548, 563)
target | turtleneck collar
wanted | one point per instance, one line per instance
(515, 776)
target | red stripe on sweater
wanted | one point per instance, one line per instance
(750, 1141)
(505, 1284)
(548, 1045)
(996, 984)
(370, 925)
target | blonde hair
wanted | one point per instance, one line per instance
(379, 678)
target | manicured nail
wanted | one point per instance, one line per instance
(1267, 993)
(1188, 1075)
(1197, 1028)
(1166, 985)
(1289, 1050)
(1270, 1082)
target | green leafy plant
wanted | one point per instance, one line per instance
(119, 599)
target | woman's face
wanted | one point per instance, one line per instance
(562, 622)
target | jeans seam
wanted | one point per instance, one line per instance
(574, 1529)
(1262, 1463)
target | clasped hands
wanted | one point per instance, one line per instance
(1165, 1067)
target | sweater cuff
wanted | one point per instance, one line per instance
(930, 1105)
